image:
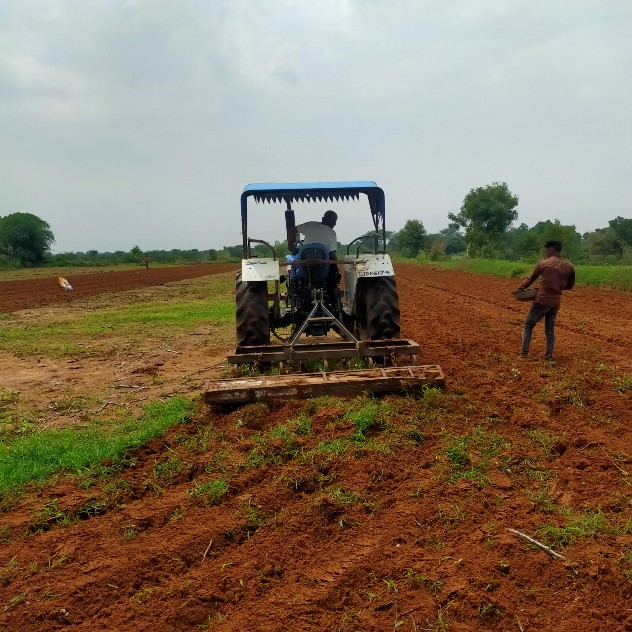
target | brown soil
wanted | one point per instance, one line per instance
(419, 546)
(15, 295)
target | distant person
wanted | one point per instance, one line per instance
(321, 232)
(557, 274)
(146, 262)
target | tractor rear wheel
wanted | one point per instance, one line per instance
(252, 313)
(379, 307)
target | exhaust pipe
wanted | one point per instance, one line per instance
(290, 226)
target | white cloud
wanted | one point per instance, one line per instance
(140, 121)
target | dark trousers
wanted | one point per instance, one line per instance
(535, 315)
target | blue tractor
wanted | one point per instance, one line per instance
(306, 294)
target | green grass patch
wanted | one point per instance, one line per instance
(617, 277)
(545, 441)
(35, 456)
(491, 267)
(170, 469)
(8, 397)
(343, 495)
(623, 383)
(254, 518)
(324, 402)
(584, 526)
(302, 425)
(99, 326)
(457, 452)
(276, 446)
(367, 413)
(209, 493)
(12, 273)
(470, 454)
(164, 315)
(333, 446)
(542, 500)
(69, 336)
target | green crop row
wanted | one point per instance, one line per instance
(617, 277)
(37, 455)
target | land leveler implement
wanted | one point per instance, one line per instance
(313, 317)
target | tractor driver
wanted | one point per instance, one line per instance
(321, 232)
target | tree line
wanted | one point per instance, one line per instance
(483, 228)
(26, 240)
(137, 255)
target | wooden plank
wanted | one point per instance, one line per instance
(343, 383)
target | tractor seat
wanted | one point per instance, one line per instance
(316, 273)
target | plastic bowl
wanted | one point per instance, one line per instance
(525, 295)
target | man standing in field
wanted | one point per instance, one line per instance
(557, 274)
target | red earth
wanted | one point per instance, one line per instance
(15, 295)
(404, 528)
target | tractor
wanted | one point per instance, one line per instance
(302, 298)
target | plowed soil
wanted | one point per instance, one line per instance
(401, 527)
(15, 295)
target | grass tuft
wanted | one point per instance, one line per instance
(209, 493)
(35, 456)
(368, 414)
(584, 526)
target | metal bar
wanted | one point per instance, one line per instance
(303, 327)
(285, 353)
(336, 324)
(406, 346)
(308, 262)
(344, 332)
(265, 243)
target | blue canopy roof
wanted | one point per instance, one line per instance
(314, 192)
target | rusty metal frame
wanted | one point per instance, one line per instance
(317, 350)
(319, 307)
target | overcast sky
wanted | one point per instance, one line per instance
(138, 122)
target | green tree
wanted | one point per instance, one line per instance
(411, 238)
(25, 238)
(528, 242)
(602, 242)
(567, 234)
(136, 254)
(486, 214)
(454, 240)
(523, 242)
(231, 252)
(622, 228)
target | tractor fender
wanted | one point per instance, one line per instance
(370, 265)
(363, 266)
(260, 269)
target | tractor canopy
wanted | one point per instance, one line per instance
(289, 192)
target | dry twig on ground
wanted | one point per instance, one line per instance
(548, 549)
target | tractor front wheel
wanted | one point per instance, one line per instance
(252, 313)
